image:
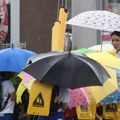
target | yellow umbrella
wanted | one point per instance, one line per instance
(104, 47)
(94, 94)
(20, 90)
(100, 92)
(106, 59)
(26, 83)
(97, 93)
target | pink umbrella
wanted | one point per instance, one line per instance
(78, 97)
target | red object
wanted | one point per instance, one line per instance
(107, 8)
(70, 114)
(3, 20)
(106, 37)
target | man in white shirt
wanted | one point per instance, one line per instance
(7, 90)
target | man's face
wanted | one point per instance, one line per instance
(116, 42)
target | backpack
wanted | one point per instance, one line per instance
(1, 97)
(17, 107)
(55, 105)
(17, 111)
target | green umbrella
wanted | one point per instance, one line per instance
(83, 51)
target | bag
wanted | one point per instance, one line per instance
(86, 112)
(39, 101)
(25, 101)
(111, 112)
(70, 113)
(1, 97)
(55, 100)
(17, 110)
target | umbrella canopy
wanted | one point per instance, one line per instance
(97, 19)
(100, 92)
(106, 59)
(83, 51)
(115, 96)
(103, 47)
(112, 98)
(97, 93)
(14, 59)
(66, 69)
(93, 94)
(78, 97)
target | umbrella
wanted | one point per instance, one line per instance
(93, 94)
(83, 51)
(113, 97)
(97, 19)
(105, 47)
(78, 97)
(26, 83)
(105, 58)
(65, 69)
(14, 59)
(100, 92)
(97, 93)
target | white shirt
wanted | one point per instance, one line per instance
(64, 96)
(118, 54)
(8, 88)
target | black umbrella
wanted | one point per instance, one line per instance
(65, 69)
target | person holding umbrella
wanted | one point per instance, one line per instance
(115, 39)
(8, 96)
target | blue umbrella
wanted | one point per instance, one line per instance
(14, 59)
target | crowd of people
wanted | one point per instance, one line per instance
(8, 92)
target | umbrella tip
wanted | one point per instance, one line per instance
(12, 46)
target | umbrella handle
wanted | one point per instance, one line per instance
(69, 44)
(12, 46)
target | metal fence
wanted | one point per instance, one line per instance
(16, 45)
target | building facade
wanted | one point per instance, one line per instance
(31, 22)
